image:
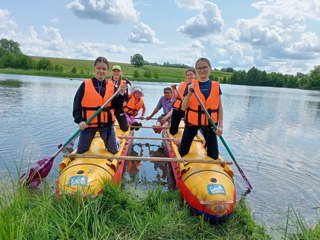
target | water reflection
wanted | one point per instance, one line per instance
(146, 175)
(11, 83)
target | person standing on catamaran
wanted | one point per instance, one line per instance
(90, 96)
(209, 93)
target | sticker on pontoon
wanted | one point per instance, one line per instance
(216, 189)
(78, 180)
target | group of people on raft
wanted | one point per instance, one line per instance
(177, 103)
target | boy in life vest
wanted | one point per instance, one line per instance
(118, 105)
(209, 93)
(91, 95)
(133, 106)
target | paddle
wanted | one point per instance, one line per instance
(223, 141)
(179, 95)
(41, 168)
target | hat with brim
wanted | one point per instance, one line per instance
(137, 90)
(116, 67)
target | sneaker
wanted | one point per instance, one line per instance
(138, 124)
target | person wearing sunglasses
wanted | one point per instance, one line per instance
(209, 93)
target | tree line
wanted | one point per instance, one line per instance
(256, 77)
(12, 57)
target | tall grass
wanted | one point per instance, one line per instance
(30, 214)
(301, 229)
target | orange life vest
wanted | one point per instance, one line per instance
(92, 101)
(178, 101)
(194, 114)
(131, 108)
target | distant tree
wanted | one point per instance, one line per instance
(23, 62)
(300, 75)
(136, 73)
(313, 80)
(137, 60)
(10, 45)
(74, 70)
(44, 64)
(224, 80)
(252, 77)
(147, 73)
(275, 79)
(58, 68)
(238, 77)
(229, 69)
(156, 75)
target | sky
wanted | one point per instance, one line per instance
(271, 35)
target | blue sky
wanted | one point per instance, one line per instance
(272, 35)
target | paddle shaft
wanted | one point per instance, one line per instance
(151, 127)
(179, 95)
(151, 159)
(147, 138)
(222, 139)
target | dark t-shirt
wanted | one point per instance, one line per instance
(205, 88)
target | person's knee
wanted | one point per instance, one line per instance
(82, 150)
(113, 151)
(124, 128)
(173, 131)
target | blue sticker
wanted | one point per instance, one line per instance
(216, 189)
(78, 180)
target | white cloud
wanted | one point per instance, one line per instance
(277, 38)
(190, 4)
(183, 53)
(105, 11)
(142, 33)
(5, 22)
(208, 22)
(54, 20)
(50, 43)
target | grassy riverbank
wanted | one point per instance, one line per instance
(115, 215)
(38, 214)
(84, 69)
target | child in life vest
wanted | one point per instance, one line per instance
(133, 106)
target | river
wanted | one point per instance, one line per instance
(274, 134)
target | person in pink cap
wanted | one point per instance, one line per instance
(133, 106)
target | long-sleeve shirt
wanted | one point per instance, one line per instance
(100, 88)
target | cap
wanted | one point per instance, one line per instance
(116, 67)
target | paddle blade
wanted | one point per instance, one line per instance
(37, 171)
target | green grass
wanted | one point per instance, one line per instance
(30, 214)
(166, 74)
(38, 214)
